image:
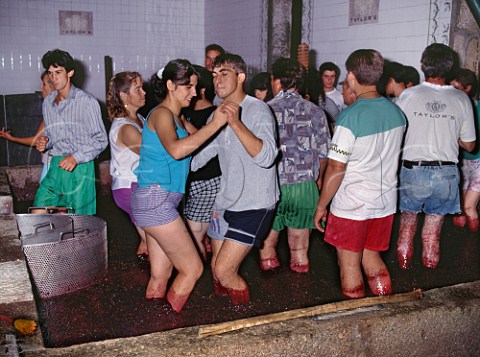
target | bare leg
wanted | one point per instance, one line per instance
(142, 246)
(471, 200)
(160, 270)
(298, 241)
(217, 287)
(408, 228)
(227, 264)
(431, 240)
(198, 230)
(461, 220)
(377, 273)
(268, 254)
(175, 241)
(351, 273)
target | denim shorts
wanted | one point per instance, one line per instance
(431, 189)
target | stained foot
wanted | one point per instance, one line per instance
(269, 263)
(176, 301)
(380, 283)
(459, 221)
(473, 224)
(155, 290)
(239, 296)
(404, 256)
(299, 268)
(219, 289)
(355, 292)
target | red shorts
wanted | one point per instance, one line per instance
(372, 234)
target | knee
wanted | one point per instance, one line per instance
(470, 205)
(198, 271)
(222, 272)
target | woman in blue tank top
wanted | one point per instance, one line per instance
(162, 172)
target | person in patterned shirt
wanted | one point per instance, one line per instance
(304, 138)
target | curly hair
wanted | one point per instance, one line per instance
(58, 58)
(121, 82)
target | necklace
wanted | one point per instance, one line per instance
(370, 91)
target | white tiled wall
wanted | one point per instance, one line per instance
(140, 35)
(401, 33)
(143, 35)
(236, 26)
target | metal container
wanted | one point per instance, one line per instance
(64, 252)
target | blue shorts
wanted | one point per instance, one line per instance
(153, 206)
(246, 227)
(431, 189)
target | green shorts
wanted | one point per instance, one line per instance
(68, 189)
(297, 206)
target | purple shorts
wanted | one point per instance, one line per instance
(121, 197)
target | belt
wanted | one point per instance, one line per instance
(410, 164)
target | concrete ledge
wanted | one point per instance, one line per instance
(444, 323)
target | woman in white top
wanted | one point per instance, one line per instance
(125, 97)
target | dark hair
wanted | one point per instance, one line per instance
(262, 81)
(215, 47)
(230, 60)
(330, 66)
(205, 80)
(412, 75)
(121, 82)
(393, 70)
(290, 72)
(438, 60)
(396, 71)
(366, 65)
(466, 78)
(58, 58)
(44, 74)
(178, 71)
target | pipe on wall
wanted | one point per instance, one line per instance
(474, 6)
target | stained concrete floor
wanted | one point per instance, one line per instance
(116, 307)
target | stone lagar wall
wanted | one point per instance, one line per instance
(24, 181)
(16, 297)
(465, 36)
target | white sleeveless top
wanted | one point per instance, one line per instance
(123, 160)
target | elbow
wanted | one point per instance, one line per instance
(177, 154)
(470, 146)
(267, 157)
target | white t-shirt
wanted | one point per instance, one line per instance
(438, 115)
(337, 97)
(368, 137)
(123, 160)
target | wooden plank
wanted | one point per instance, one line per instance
(345, 305)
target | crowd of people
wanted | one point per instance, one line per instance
(212, 169)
